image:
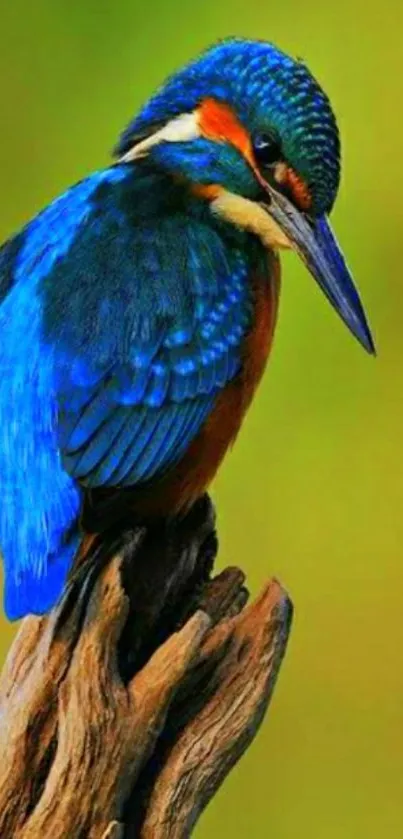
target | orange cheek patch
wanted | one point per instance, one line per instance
(208, 191)
(298, 189)
(218, 122)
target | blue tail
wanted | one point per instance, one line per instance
(39, 502)
(29, 590)
(39, 510)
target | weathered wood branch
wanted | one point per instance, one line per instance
(124, 709)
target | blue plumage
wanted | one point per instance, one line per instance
(40, 501)
(146, 339)
(114, 349)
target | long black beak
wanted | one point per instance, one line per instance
(316, 244)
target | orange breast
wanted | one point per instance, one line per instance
(193, 474)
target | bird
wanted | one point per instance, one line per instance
(137, 310)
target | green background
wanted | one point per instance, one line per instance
(313, 491)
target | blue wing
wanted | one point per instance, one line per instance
(125, 319)
(147, 319)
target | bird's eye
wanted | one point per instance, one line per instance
(267, 149)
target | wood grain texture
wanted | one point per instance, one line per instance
(124, 709)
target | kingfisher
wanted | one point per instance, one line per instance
(137, 310)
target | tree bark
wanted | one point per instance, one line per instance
(123, 710)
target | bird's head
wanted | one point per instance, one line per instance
(250, 130)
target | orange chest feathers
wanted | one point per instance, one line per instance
(192, 475)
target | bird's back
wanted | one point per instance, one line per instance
(124, 318)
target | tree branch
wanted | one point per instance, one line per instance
(124, 709)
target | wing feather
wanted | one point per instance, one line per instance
(122, 317)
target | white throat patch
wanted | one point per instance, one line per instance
(183, 128)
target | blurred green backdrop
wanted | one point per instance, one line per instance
(314, 489)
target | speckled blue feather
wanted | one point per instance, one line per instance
(122, 317)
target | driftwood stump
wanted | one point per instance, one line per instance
(123, 710)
